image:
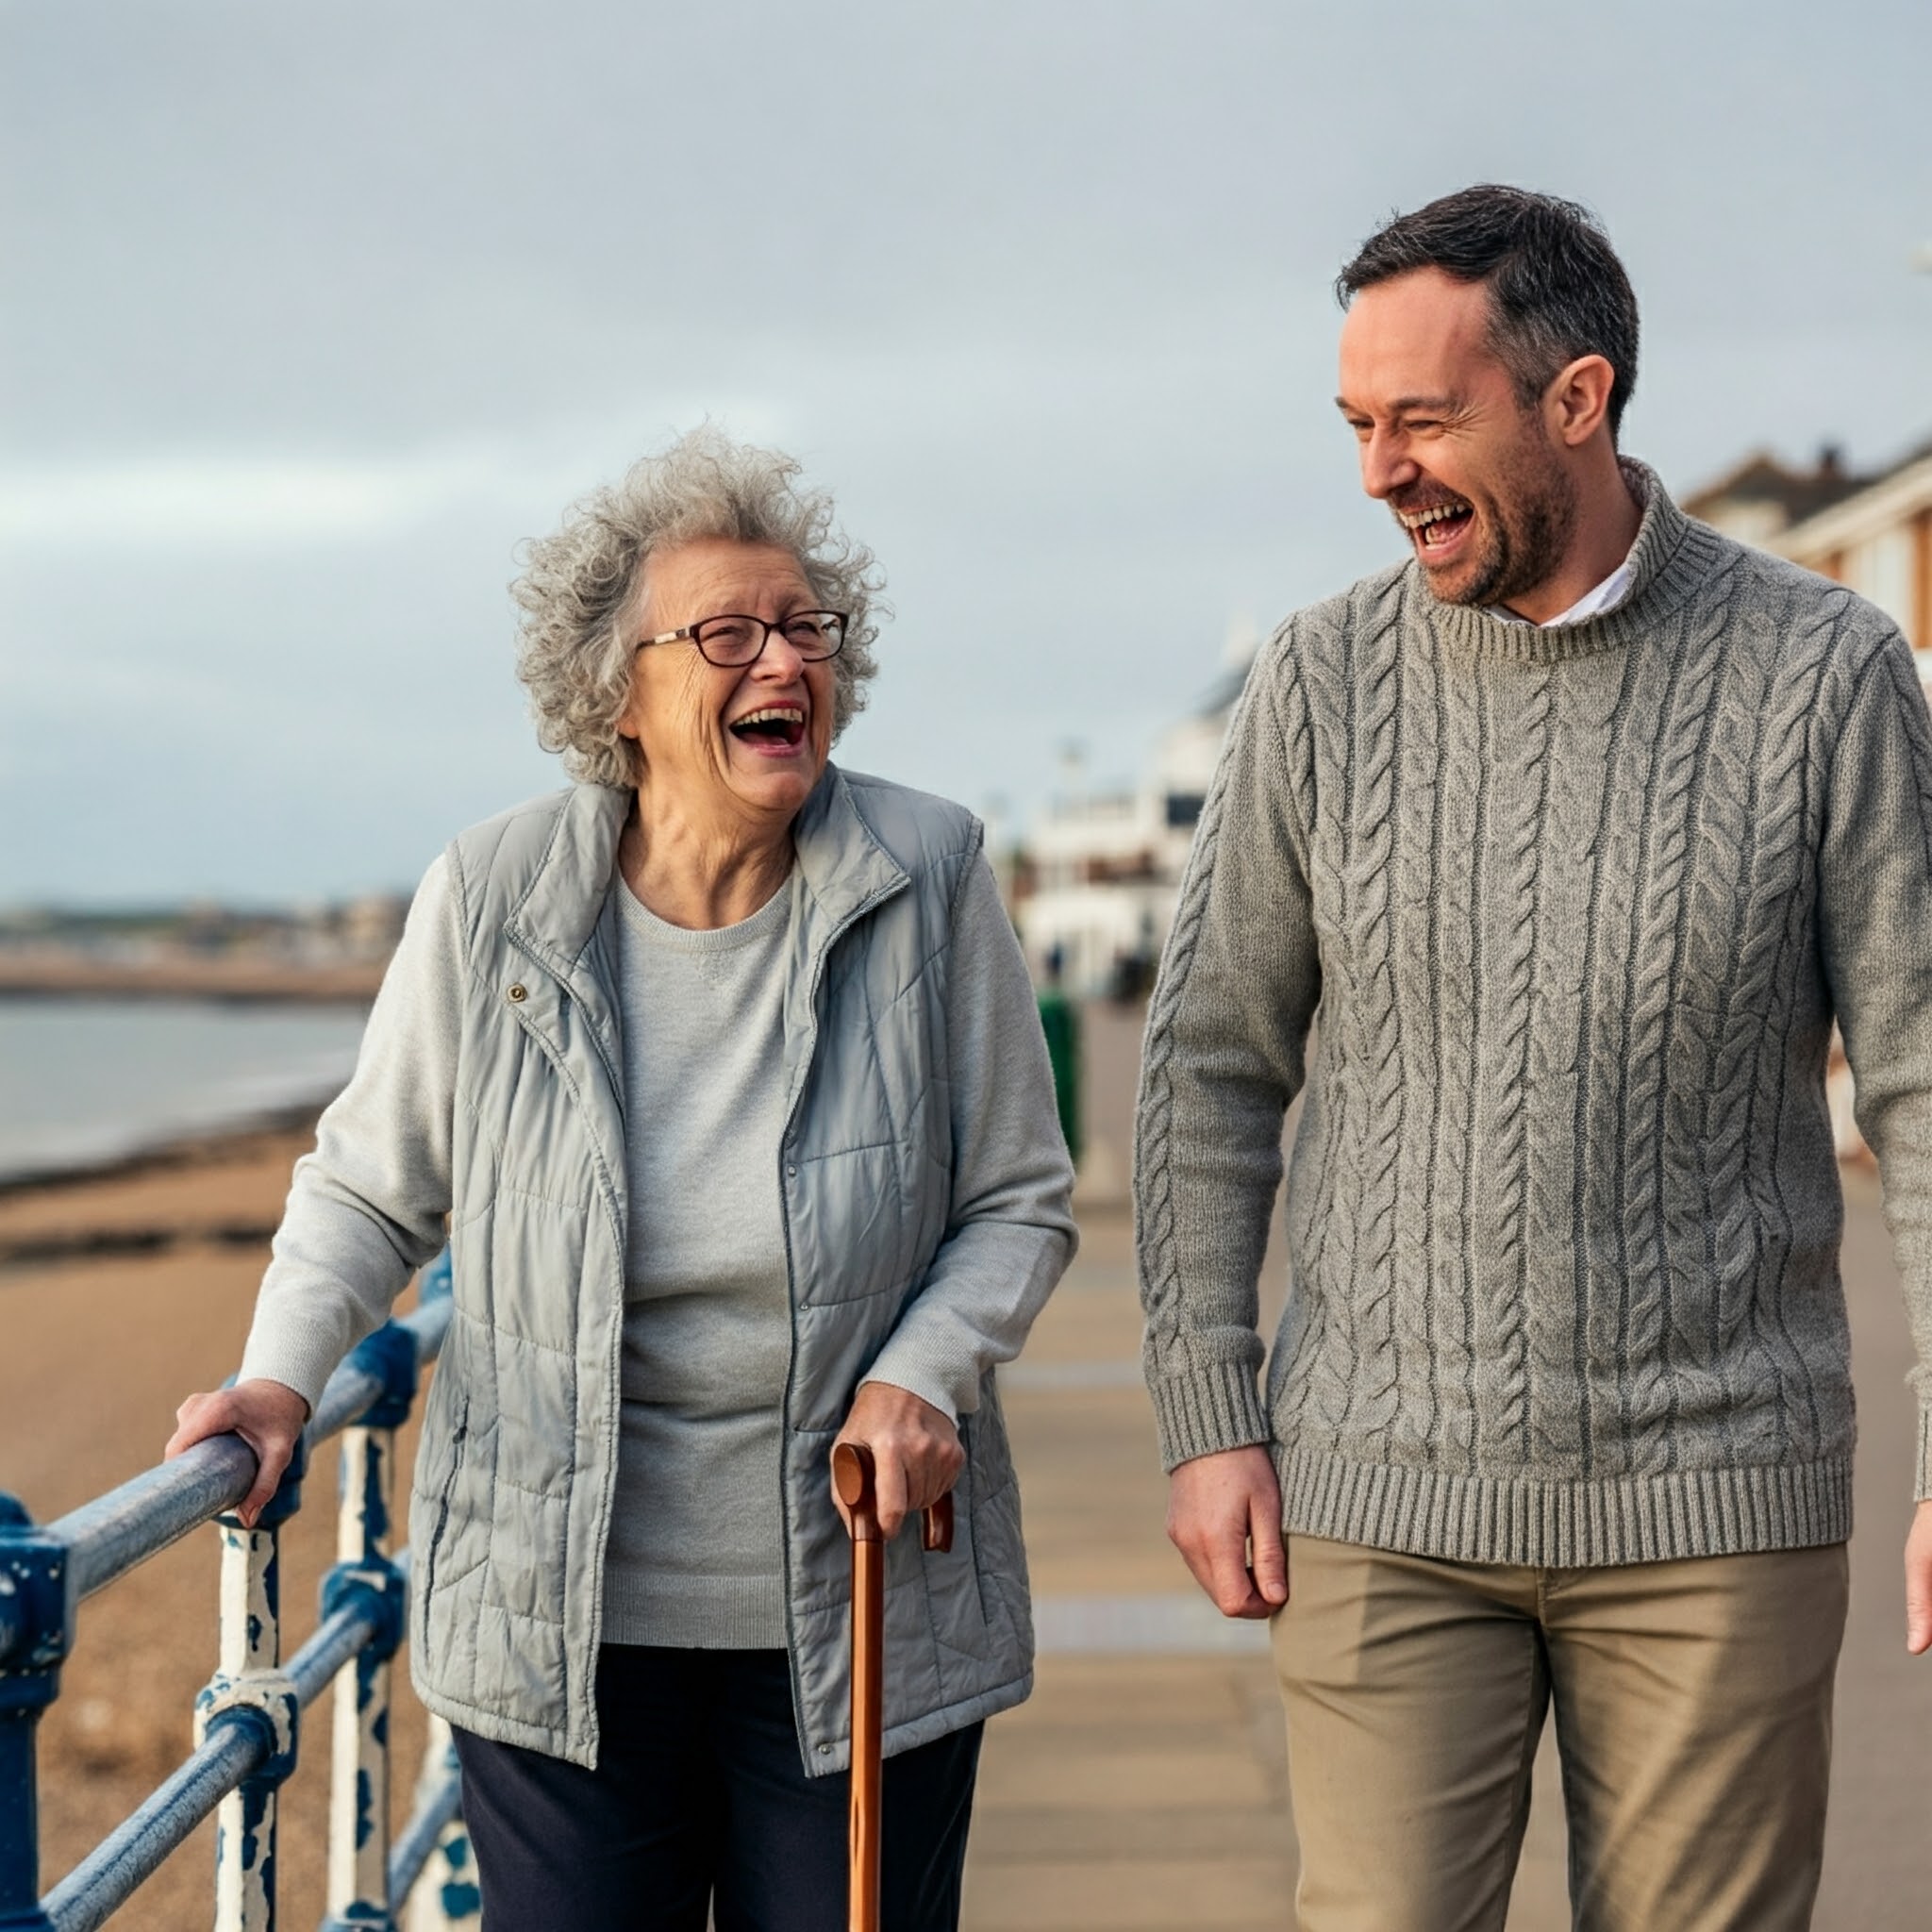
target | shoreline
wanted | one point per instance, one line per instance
(98, 1086)
(170, 1152)
(214, 1195)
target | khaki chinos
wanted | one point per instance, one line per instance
(1693, 1720)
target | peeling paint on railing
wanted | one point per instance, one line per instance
(248, 1720)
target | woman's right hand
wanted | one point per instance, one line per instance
(268, 1416)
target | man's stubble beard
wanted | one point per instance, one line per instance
(1530, 519)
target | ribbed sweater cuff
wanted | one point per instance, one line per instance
(301, 1355)
(1924, 1490)
(1212, 1406)
(949, 1388)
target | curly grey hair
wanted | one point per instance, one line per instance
(580, 587)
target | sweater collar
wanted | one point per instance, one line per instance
(1670, 556)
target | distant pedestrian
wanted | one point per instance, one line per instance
(723, 1069)
(1579, 828)
(1060, 1020)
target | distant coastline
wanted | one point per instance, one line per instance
(321, 954)
(58, 973)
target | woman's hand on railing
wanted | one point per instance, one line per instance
(915, 1451)
(268, 1416)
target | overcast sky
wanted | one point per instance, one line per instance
(311, 313)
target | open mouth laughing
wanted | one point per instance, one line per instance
(1437, 528)
(773, 731)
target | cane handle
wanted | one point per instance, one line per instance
(854, 1480)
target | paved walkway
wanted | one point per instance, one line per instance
(1144, 1785)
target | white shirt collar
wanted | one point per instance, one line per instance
(1594, 602)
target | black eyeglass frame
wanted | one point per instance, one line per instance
(690, 633)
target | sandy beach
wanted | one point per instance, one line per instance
(120, 1296)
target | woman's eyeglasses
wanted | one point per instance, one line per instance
(731, 641)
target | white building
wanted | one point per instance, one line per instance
(1097, 891)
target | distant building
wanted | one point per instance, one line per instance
(1094, 893)
(371, 926)
(358, 931)
(1764, 497)
(1871, 533)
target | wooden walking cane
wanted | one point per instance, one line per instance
(852, 1476)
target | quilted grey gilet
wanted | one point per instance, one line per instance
(517, 1470)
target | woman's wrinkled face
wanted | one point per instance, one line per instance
(743, 741)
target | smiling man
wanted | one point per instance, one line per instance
(1580, 828)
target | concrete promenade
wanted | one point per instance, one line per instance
(1145, 1785)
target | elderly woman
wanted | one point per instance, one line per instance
(723, 1068)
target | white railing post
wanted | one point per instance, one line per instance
(250, 1648)
(446, 1897)
(358, 1783)
(359, 1779)
(250, 1687)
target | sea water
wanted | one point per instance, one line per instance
(90, 1080)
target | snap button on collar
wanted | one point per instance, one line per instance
(518, 994)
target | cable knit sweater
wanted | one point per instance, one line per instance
(1575, 909)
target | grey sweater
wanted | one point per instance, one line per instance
(1575, 909)
(697, 1552)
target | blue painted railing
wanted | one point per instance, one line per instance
(249, 1720)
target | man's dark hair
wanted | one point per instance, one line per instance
(1556, 288)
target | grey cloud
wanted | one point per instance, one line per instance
(312, 312)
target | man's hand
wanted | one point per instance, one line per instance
(268, 1416)
(915, 1451)
(1223, 1515)
(1919, 1582)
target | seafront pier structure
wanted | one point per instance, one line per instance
(250, 1720)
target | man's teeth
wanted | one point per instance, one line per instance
(1421, 519)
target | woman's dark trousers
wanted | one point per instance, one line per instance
(700, 1803)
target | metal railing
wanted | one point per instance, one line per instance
(248, 1721)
